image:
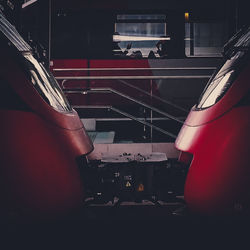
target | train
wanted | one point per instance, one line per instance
(44, 145)
(214, 140)
(43, 142)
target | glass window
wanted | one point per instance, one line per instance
(139, 35)
(45, 83)
(42, 80)
(237, 56)
(205, 39)
(215, 90)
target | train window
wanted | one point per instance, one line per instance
(220, 83)
(43, 80)
(215, 90)
(45, 84)
(140, 36)
(237, 58)
(205, 39)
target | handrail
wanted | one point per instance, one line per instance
(131, 117)
(117, 119)
(132, 69)
(145, 123)
(154, 96)
(86, 91)
(130, 77)
(139, 89)
(119, 78)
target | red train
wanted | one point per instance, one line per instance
(215, 137)
(41, 135)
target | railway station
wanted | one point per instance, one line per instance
(127, 110)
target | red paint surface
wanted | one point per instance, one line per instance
(39, 174)
(218, 138)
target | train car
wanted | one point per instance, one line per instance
(214, 140)
(42, 137)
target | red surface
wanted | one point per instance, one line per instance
(70, 64)
(218, 179)
(39, 175)
(76, 63)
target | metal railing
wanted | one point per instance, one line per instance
(132, 69)
(110, 90)
(150, 125)
(122, 79)
(131, 77)
(152, 96)
(151, 108)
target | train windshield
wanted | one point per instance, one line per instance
(45, 83)
(42, 80)
(236, 57)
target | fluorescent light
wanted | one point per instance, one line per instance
(118, 38)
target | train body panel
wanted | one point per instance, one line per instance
(219, 171)
(39, 169)
(42, 137)
(216, 138)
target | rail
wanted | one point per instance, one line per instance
(151, 95)
(122, 78)
(132, 118)
(131, 77)
(107, 90)
(132, 69)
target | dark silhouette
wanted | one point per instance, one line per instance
(162, 47)
(151, 55)
(136, 54)
(116, 49)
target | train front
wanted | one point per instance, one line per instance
(42, 137)
(215, 139)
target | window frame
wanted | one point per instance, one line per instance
(198, 20)
(142, 21)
